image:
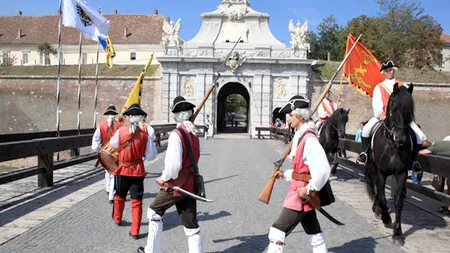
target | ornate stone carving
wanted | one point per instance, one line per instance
(298, 35)
(280, 89)
(281, 54)
(203, 52)
(235, 61)
(170, 33)
(234, 9)
(187, 89)
(189, 52)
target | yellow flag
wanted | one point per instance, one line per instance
(136, 92)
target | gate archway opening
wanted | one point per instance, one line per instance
(233, 106)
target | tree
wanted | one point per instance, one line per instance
(8, 60)
(236, 103)
(46, 49)
(423, 43)
(371, 28)
(313, 41)
(330, 39)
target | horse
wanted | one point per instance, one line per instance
(393, 153)
(330, 132)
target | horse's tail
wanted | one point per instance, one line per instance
(371, 181)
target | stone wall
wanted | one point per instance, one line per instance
(29, 104)
(432, 108)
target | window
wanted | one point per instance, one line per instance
(133, 56)
(5, 56)
(24, 58)
(84, 58)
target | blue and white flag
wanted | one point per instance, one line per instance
(78, 14)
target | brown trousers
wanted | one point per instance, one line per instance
(289, 219)
(186, 207)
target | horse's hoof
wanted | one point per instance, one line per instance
(398, 241)
(386, 218)
(378, 216)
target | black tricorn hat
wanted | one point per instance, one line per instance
(134, 109)
(180, 104)
(387, 65)
(111, 110)
(295, 102)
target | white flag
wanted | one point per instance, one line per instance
(77, 14)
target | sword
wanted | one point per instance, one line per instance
(315, 204)
(184, 192)
(191, 195)
(331, 218)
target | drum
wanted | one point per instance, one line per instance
(108, 158)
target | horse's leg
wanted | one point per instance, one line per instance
(334, 164)
(400, 195)
(380, 205)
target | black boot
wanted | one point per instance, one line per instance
(363, 156)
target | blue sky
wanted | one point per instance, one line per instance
(189, 11)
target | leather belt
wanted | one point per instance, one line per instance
(301, 177)
(129, 164)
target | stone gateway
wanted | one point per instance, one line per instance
(262, 69)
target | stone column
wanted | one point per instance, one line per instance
(266, 103)
(256, 103)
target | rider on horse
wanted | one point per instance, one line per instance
(381, 94)
(326, 108)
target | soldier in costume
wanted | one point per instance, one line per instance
(309, 160)
(130, 173)
(380, 99)
(102, 135)
(325, 109)
(177, 171)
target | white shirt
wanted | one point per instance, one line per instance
(377, 99)
(174, 157)
(314, 156)
(150, 149)
(96, 140)
(327, 103)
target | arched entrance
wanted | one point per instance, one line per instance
(233, 105)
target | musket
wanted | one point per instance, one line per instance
(211, 88)
(267, 190)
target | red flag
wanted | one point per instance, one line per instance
(362, 69)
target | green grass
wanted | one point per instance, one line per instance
(7, 168)
(72, 70)
(326, 70)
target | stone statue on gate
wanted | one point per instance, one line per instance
(170, 35)
(298, 35)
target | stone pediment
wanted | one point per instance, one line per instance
(235, 20)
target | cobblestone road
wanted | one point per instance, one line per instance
(235, 171)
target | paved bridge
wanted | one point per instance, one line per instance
(74, 215)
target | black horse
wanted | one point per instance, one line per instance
(330, 132)
(394, 151)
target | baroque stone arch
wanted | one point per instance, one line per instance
(242, 118)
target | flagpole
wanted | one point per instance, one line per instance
(96, 87)
(96, 80)
(328, 87)
(58, 83)
(79, 83)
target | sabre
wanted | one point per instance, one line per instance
(184, 192)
